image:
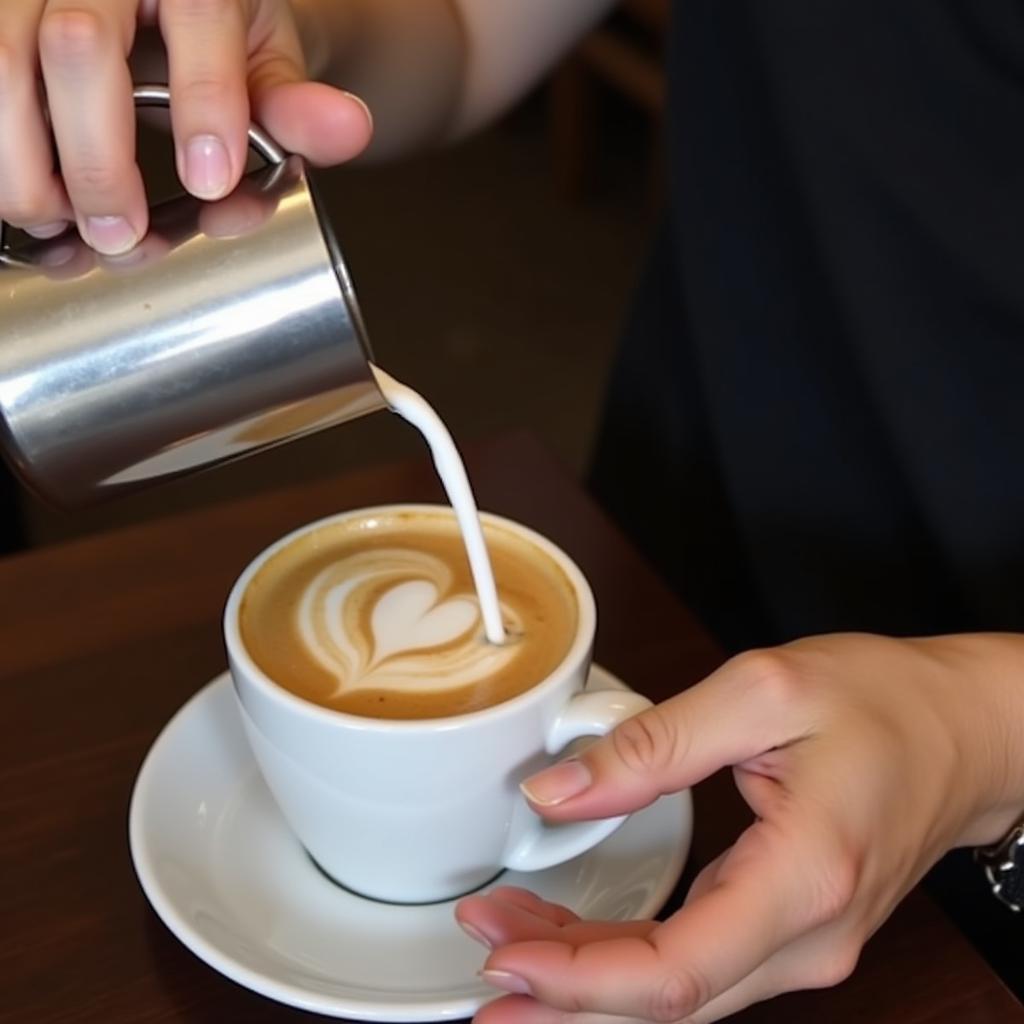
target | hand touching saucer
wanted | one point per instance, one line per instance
(864, 760)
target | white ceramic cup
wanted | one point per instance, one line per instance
(424, 810)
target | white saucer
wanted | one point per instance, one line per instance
(229, 879)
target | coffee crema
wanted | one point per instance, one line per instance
(377, 616)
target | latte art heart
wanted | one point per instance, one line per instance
(410, 615)
(378, 616)
(388, 620)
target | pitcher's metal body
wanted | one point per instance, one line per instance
(231, 328)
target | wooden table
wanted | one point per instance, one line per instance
(103, 639)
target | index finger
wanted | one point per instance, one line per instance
(757, 905)
(83, 46)
(750, 705)
(207, 59)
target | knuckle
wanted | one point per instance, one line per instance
(23, 210)
(645, 743)
(273, 67)
(834, 966)
(99, 179)
(574, 1003)
(12, 63)
(198, 10)
(202, 91)
(773, 675)
(678, 995)
(71, 32)
(835, 887)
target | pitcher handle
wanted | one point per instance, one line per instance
(160, 96)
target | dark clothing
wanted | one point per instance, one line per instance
(817, 419)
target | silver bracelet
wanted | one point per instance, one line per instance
(1003, 863)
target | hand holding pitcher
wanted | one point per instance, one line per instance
(227, 64)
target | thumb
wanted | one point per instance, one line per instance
(326, 125)
(736, 714)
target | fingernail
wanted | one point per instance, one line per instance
(58, 255)
(507, 982)
(110, 235)
(363, 104)
(58, 227)
(207, 168)
(132, 258)
(476, 935)
(558, 783)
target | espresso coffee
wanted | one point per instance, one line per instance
(378, 616)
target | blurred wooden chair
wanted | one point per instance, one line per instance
(626, 53)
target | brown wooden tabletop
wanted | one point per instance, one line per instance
(103, 639)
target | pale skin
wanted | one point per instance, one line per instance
(429, 69)
(864, 759)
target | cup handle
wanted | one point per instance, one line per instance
(538, 846)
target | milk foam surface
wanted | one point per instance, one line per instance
(377, 615)
(392, 624)
(387, 619)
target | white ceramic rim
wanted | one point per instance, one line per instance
(578, 653)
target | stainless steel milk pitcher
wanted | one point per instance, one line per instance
(233, 327)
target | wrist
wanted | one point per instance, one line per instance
(406, 59)
(991, 671)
